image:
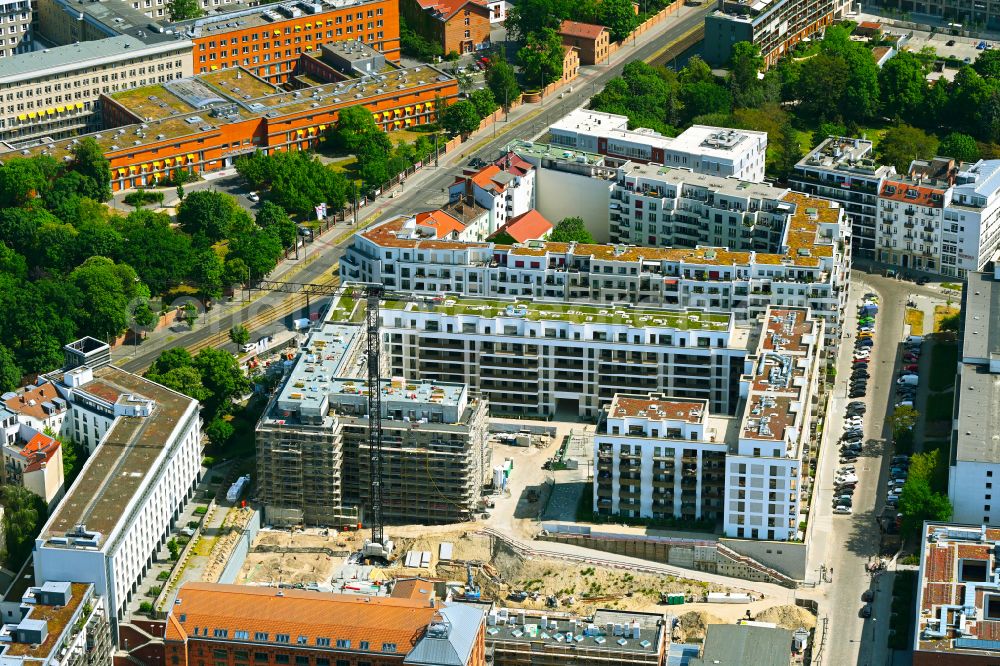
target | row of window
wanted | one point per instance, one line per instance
(285, 639)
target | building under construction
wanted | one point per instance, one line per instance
(313, 445)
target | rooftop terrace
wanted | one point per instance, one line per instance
(628, 632)
(119, 467)
(574, 313)
(57, 617)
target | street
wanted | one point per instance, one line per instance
(423, 190)
(845, 544)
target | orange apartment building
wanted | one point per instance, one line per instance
(205, 122)
(462, 26)
(268, 40)
(592, 41)
(229, 625)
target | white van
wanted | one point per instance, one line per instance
(908, 380)
(913, 340)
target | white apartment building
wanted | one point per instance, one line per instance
(657, 457)
(802, 261)
(716, 151)
(505, 188)
(538, 358)
(843, 169)
(974, 474)
(108, 526)
(768, 460)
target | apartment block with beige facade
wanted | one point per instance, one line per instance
(55, 94)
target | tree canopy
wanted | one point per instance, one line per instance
(571, 229)
(541, 57)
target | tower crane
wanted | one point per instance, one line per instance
(379, 546)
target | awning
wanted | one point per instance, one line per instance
(430, 105)
(215, 67)
(309, 25)
(49, 112)
(409, 109)
(398, 112)
(79, 105)
(191, 157)
(22, 117)
(121, 172)
(397, 123)
(419, 107)
(408, 122)
(132, 169)
(61, 109)
(300, 132)
(669, 281)
(31, 115)
(168, 161)
(277, 32)
(298, 28)
(312, 130)
(157, 164)
(322, 127)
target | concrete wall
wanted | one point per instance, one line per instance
(240, 550)
(785, 557)
(590, 200)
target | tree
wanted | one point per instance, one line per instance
(10, 374)
(529, 16)
(21, 180)
(502, 82)
(175, 357)
(821, 84)
(903, 86)
(484, 102)
(903, 144)
(571, 229)
(182, 10)
(416, 46)
(175, 551)
(106, 289)
(354, 126)
(22, 520)
(541, 57)
(704, 97)
(160, 255)
(618, 16)
(206, 273)
(918, 503)
(186, 380)
(208, 216)
(960, 146)
(987, 65)
(745, 63)
(460, 118)
(240, 335)
(223, 377)
(219, 432)
(696, 71)
(791, 151)
(89, 161)
(273, 216)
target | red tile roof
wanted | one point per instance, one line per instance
(918, 195)
(38, 450)
(378, 620)
(441, 222)
(525, 227)
(445, 9)
(582, 30)
(514, 164)
(21, 404)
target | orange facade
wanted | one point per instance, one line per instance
(218, 147)
(271, 49)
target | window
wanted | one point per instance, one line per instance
(219, 654)
(260, 656)
(303, 640)
(282, 638)
(341, 643)
(239, 633)
(364, 645)
(260, 635)
(391, 647)
(301, 660)
(325, 642)
(281, 659)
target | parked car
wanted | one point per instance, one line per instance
(253, 196)
(842, 510)
(869, 595)
(911, 380)
(856, 403)
(856, 394)
(901, 458)
(922, 280)
(866, 611)
(847, 478)
(856, 409)
(861, 373)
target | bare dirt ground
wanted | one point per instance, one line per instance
(297, 566)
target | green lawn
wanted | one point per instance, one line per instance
(944, 363)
